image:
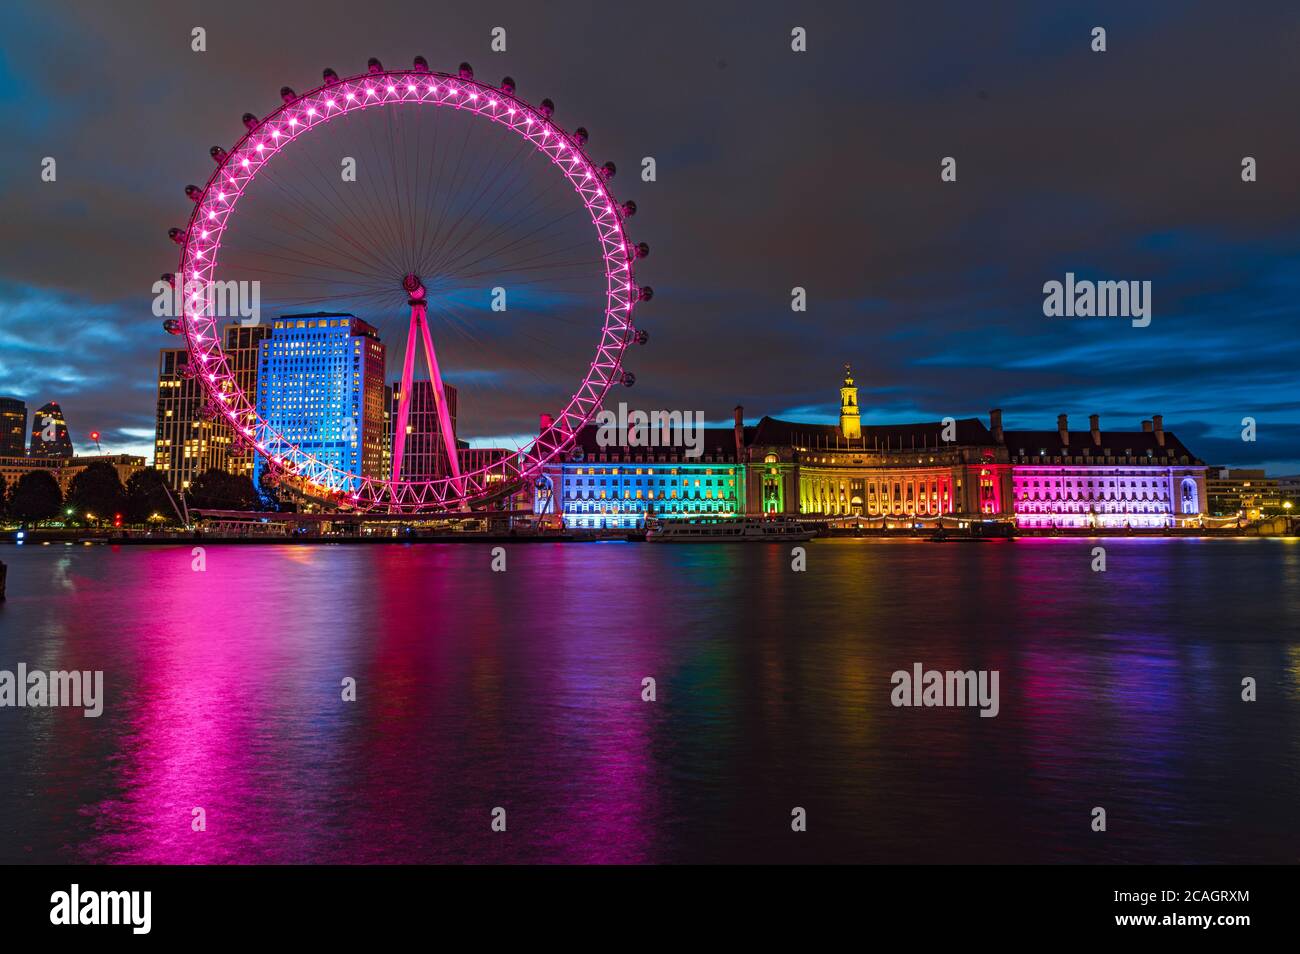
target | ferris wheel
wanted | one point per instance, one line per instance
(460, 195)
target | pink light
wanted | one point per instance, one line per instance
(414, 497)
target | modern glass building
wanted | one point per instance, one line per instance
(13, 427)
(424, 455)
(320, 384)
(50, 433)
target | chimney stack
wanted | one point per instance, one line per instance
(546, 423)
(1158, 420)
(995, 424)
(740, 433)
(1063, 428)
(1094, 425)
(1146, 427)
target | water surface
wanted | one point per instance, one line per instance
(523, 690)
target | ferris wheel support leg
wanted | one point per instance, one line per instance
(404, 400)
(440, 402)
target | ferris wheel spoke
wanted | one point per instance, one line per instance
(452, 207)
(518, 244)
(326, 264)
(476, 203)
(520, 212)
(291, 230)
(369, 250)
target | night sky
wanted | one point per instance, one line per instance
(775, 169)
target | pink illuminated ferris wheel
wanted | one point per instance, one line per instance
(452, 218)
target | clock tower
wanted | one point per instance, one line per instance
(850, 416)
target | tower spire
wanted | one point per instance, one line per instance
(850, 416)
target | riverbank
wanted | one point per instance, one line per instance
(57, 537)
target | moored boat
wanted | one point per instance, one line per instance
(734, 530)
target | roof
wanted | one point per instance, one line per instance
(1120, 443)
(771, 432)
(715, 442)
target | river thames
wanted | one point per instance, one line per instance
(522, 690)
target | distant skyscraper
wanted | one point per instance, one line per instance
(50, 433)
(243, 351)
(321, 386)
(13, 427)
(185, 445)
(425, 455)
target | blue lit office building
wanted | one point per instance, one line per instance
(320, 384)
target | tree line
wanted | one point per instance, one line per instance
(96, 497)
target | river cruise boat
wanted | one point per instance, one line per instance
(722, 530)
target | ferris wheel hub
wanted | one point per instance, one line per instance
(413, 286)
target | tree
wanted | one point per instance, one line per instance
(97, 490)
(35, 497)
(272, 496)
(146, 495)
(217, 490)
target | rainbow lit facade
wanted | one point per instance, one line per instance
(1109, 480)
(945, 473)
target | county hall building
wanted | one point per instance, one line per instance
(897, 475)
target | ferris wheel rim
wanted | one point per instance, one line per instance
(299, 114)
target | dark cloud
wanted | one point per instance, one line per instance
(778, 169)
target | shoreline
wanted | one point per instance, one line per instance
(63, 538)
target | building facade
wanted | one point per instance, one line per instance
(1109, 479)
(64, 469)
(321, 385)
(13, 427)
(1250, 494)
(620, 487)
(424, 454)
(50, 437)
(187, 440)
(940, 473)
(243, 349)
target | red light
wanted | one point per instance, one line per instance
(94, 435)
